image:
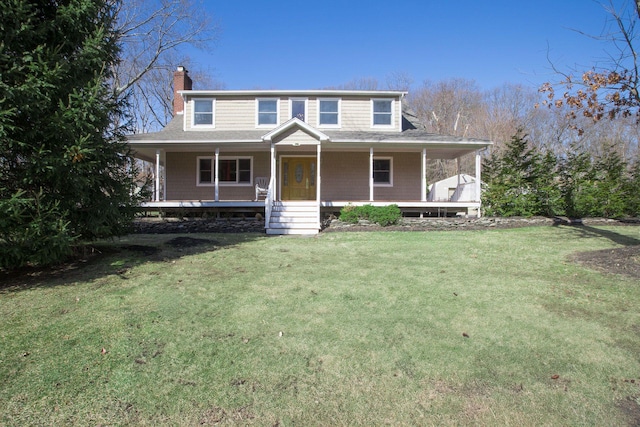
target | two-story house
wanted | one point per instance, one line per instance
(295, 153)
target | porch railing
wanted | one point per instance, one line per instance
(268, 202)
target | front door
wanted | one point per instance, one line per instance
(298, 178)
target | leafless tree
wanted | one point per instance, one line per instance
(156, 36)
(399, 80)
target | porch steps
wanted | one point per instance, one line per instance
(294, 218)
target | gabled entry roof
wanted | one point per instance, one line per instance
(292, 124)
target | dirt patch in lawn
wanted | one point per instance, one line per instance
(187, 242)
(618, 261)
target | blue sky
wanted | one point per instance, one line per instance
(284, 44)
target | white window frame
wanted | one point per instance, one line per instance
(213, 172)
(373, 113)
(383, 184)
(339, 124)
(213, 113)
(306, 108)
(267, 125)
(237, 183)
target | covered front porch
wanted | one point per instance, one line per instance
(306, 174)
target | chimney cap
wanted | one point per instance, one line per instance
(181, 68)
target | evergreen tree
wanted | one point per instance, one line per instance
(519, 181)
(632, 190)
(65, 170)
(576, 182)
(595, 187)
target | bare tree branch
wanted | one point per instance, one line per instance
(156, 36)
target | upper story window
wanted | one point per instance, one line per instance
(329, 112)
(298, 108)
(383, 171)
(203, 112)
(267, 111)
(382, 112)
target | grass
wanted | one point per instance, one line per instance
(489, 327)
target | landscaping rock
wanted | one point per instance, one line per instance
(252, 225)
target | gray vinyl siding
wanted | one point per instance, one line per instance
(236, 114)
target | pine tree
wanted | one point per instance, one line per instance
(519, 181)
(65, 170)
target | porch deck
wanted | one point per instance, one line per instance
(433, 208)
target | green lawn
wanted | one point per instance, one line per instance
(491, 327)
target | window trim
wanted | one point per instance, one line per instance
(220, 182)
(383, 184)
(330, 126)
(213, 171)
(373, 113)
(238, 183)
(267, 125)
(306, 108)
(213, 113)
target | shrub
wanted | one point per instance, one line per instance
(382, 215)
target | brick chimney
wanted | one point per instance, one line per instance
(181, 81)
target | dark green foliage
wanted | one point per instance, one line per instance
(594, 188)
(382, 215)
(523, 182)
(520, 181)
(632, 189)
(65, 169)
(31, 237)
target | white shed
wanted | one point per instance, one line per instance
(457, 188)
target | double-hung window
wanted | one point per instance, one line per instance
(382, 112)
(204, 112)
(235, 170)
(329, 112)
(298, 107)
(383, 171)
(267, 112)
(205, 172)
(231, 170)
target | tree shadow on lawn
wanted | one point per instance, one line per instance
(586, 231)
(625, 260)
(118, 256)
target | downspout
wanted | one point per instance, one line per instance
(318, 184)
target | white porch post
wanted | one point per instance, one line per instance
(216, 180)
(272, 178)
(156, 196)
(371, 174)
(423, 174)
(164, 175)
(318, 192)
(478, 178)
(458, 171)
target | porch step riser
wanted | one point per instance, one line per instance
(294, 218)
(292, 231)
